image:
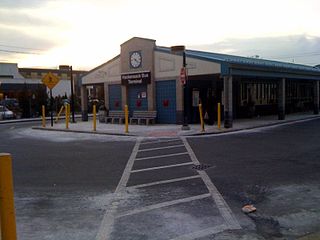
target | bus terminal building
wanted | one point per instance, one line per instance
(146, 77)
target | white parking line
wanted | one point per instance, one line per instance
(164, 204)
(162, 156)
(164, 182)
(162, 167)
(223, 207)
(159, 148)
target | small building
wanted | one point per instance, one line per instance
(148, 77)
(25, 85)
(63, 88)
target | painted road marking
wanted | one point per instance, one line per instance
(163, 204)
(159, 148)
(161, 167)
(164, 182)
(107, 223)
(161, 141)
(202, 233)
(162, 156)
(223, 207)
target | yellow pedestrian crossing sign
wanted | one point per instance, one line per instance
(50, 80)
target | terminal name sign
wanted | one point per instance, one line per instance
(136, 78)
(50, 80)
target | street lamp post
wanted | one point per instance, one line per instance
(179, 49)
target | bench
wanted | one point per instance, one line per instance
(146, 116)
(115, 116)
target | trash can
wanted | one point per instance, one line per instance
(102, 113)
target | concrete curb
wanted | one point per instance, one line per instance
(87, 132)
(280, 123)
(283, 122)
(23, 120)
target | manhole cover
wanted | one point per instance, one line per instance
(200, 167)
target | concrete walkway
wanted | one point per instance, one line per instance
(173, 130)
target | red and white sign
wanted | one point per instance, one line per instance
(183, 75)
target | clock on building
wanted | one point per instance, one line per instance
(135, 59)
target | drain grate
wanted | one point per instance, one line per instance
(200, 167)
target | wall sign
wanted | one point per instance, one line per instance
(143, 95)
(136, 78)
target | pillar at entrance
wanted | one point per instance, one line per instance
(228, 116)
(316, 97)
(282, 99)
(84, 103)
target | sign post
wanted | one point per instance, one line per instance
(183, 78)
(50, 80)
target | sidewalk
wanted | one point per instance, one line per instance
(172, 130)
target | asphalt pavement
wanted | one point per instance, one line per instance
(71, 185)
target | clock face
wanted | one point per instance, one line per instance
(135, 59)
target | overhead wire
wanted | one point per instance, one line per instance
(11, 46)
(19, 52)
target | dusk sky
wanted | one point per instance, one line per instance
(84, 34)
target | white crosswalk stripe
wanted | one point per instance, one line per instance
(230, 222)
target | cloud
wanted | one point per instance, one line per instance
(12, 37)
(20, 18)
(303, 49)
(20, 3)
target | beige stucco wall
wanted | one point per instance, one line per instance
(167, 66)
(106, 73)
(146, 47)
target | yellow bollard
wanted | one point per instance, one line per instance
(43, 116)
(94, 117)
(57, 118)
(201, 117)
(126, 114)
(7, 212)
(67, 116)
(69, 113)
(219, 115)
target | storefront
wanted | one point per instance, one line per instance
(146, 77)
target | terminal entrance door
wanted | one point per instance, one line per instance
(166, 101)
(137, 98)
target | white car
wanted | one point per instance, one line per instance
(5, 113)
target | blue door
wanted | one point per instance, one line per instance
(166, 101)
(137, 96)
(115, 100)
